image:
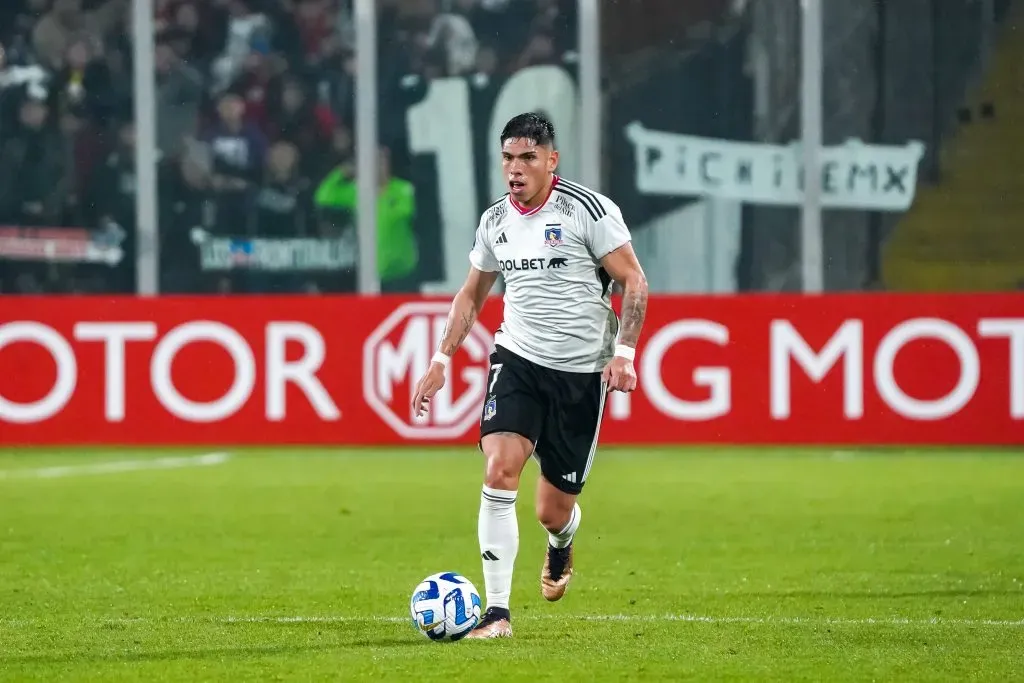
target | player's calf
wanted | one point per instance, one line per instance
(561, 525)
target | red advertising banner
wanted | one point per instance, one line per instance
(834, 369)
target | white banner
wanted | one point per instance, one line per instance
(62, 245)
(853, 176)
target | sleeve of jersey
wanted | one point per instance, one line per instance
(481, 256)
(608, 233)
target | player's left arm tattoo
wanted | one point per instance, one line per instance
(624, 268)
(634, 310)
(466, 306)
(460, 322)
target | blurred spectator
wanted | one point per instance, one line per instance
(179, 91)
(196, 32)
(453, 35)
(254, 81)
(397, 249)
(83, 149)
(66, 23)
(84, 84)
(13, 74)
(33, 169)
(292, 115)
(341, 155)
(237, 149)
(17, 23)
(112, 195)
(247, 31)
(112, 199)
(448, 39)
(337, 83)
(282, 206)
(16, 82)
(316, 30)
(238, 146)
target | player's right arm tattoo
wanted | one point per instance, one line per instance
(460, 322)
(634, 309)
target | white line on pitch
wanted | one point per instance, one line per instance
(686, 618)
(115, 466)
(629, 618)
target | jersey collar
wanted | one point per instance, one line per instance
(524, 211)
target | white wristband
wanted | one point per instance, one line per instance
(441, 358)
(627, 352)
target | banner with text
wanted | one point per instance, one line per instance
(854, 175)
(844, 369)
(275, 254)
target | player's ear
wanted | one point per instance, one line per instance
(553, 161)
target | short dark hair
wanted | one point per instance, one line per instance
(532, 126)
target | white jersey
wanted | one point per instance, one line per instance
(558, 310)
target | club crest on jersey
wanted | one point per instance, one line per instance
(490, 408)
(553, 234)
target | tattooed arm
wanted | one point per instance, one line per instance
(466, 307)
(624, 268)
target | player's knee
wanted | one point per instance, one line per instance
(553, 515)
(506, 455)
(503, 471)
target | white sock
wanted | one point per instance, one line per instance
(564, 537)
(498, 531)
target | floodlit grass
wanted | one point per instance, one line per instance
(691, 564)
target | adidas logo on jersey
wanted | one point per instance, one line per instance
(501, 239)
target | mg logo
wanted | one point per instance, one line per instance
(397, 354)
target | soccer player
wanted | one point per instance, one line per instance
(559, 350)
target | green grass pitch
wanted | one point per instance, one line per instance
(692, 564)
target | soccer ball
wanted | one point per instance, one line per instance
(445, 606)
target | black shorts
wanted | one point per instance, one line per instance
(559, 412)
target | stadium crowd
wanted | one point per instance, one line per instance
(254, 110)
